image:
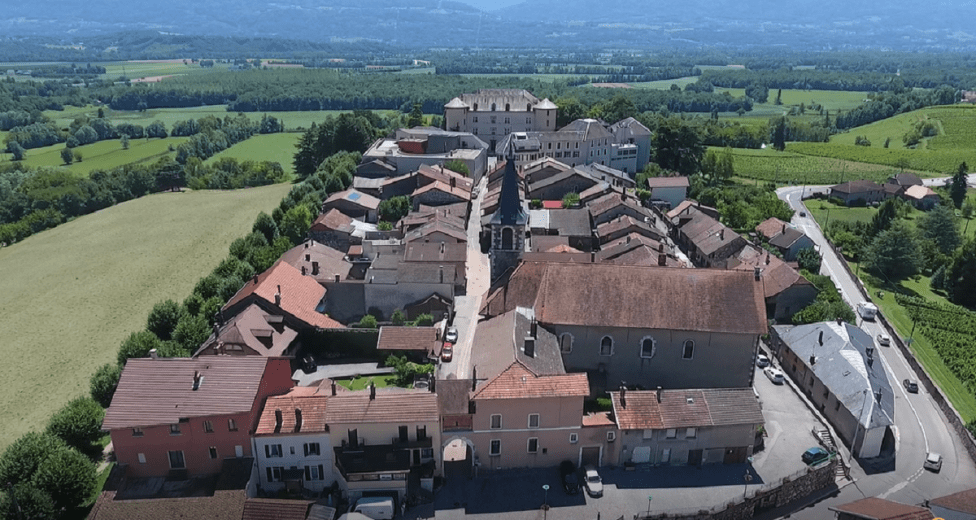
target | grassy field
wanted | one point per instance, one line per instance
(793, 168)
(264, 147)
(361, 382)
(963, 400)
(73, 293)
(104, 155)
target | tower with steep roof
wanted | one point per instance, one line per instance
(508, 223)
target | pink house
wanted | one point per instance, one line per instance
(188, 415)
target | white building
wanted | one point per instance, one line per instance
(291, 444)
(492, 114)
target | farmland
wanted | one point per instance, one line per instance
(72, 293)
(104, 155)
(263, 147)
(787, 167)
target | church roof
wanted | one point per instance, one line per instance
(510, 206)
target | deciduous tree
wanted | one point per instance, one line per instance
(894, 253)
(103, 383)
(20, 460)
(67, 476)
(163, 319)
(78, 424)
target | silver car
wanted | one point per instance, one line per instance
(933, 462)
(775, 375)
(593, 482)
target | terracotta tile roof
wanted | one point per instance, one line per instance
(624, 222)
(423, 339)
(879, 509)
(963, 501)
(300, 295)
(853, 187)
(438, 173)
(595, 192)
(223, 505)
(437, 225)
(612, 200)
(160, 391)
(688, 206)
(562, 248)
(275, 509)
(668, 182)
(254, 328)
(517, 382)
(418, 251)
(706, 233)
(330, 261)
(686, 408)
(919, 192)
(452, 396)
(334, 220)
(312, 408)
(355, 197)
(771, 227)
(597, 419)
(405, 406)
(777, 275)
(456, 191)
(676, 299)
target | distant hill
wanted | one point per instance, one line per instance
(564, 24)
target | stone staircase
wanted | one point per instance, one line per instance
(827, 441)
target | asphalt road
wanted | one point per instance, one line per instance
(920, 425)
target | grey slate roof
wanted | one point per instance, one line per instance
(500, 340)
(843, 367)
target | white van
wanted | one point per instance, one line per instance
(867, 311)
(377, 508)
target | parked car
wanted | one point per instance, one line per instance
(593, 482)
(911, 386)
(447, 353)
(814, 455)
(567, 475)
(377, 508)
(884, 340)
(933, 462)
(308, 364)
(803, 213)
(762, 361)
(451, 336)
(775, 375)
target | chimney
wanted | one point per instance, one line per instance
(592, 257)
(813, 360)
(196, 379)
(529, 346)
(308, 257)
(757, 273)
(303, 271)
(533, 328)
(431, 385)
(315, 268)
(372, 391)
(453, 182)
(278, 296)
(767, 257)
(840, 321)
(298, 420)
(660, 247)
(659, 395)
(333, 387)
(784, 229)
(877, 395)
(306, 247)
(216, 330)
(662, 260)
(255, 279)
(721, 234)
(628, 239)
(820, 340)
(278, 420)
(474, 377)
(153, 354)
(337, 278)
(623, 396)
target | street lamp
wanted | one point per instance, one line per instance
(648, 506)
(748, 478)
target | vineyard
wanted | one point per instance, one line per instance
(936, 162)
(787, 167)
(951, 330)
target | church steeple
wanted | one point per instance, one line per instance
(508, 222)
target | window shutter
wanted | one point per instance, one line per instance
(306, 453)
(321, 472)
(270, 475)
(267, 455)
(308, 473)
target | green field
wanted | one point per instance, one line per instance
(935, 162)
(793, 168)
(264, 147)
(145, 69)
(104, 155)
(73, 293)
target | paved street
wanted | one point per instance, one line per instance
(920, 425)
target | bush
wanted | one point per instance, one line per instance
(398, 318)
(21, 459)
(67, 476)
(104, 382)
(367, 322)
(138, 345)
(191, 332)
(163, 319)
(78, 424)
(571, 200)
(424, 320)
(26, 501)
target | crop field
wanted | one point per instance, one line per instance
(104, 155)
(935, 162)
(144, 69)
(794, 168)
(73, 293)
(664, 84)
(264, 147)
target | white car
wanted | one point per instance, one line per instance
(933, 462)
(451, 336)
(884, 340)
(762, 361)
(775, 375)
(593, 482)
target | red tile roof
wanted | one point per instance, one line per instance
(160, 391)
(275, 509)
(330, 261)
(771, 227)
(223, 505)
(313, 409)
(686, 408)
(354, 197)
(963, 501)
(402, 406)
(333, 220)
(457, 191)
(880, 509)
(777, 275)
(422, 339)
(518, 382)
(300, 295)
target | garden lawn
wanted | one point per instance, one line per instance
(72, 294)
(278, 148)
(361, 382)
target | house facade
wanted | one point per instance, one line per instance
(292, 445)
(495, 113)
(187, 415)
(672, 190)
(852, 191)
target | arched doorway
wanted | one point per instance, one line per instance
(458, 457)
